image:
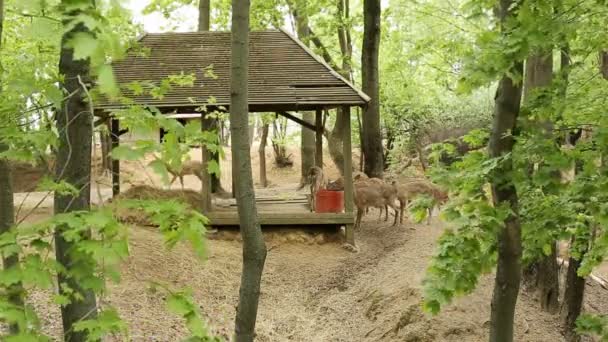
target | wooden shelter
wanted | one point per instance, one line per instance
(284, 76)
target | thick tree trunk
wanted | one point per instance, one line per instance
(508, 271)
(262, 155)
(542, 275)
(254, 248)
(7, 209)
(372, 137)
(73, 165)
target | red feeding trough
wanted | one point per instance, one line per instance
(330, 201)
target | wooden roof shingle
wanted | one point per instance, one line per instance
(283, 73)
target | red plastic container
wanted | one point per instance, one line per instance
(330, 201)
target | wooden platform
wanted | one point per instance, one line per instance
(277, 211)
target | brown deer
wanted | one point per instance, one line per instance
(316, 179)
(407, 191)
(190, 167)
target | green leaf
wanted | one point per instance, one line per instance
(107, 81)
(84, 45)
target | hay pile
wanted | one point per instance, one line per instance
(145, 192)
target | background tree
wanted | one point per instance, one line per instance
(299, 13)
(372, 137)
(254, 248)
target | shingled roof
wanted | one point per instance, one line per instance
(283, 73)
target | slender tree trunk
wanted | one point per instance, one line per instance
(254, 248)
(7, 220)
(542, 275)
(336, 138)
(307, 141)
(73, 165)
(604, 64)
(573, 300)
(508, 271)
(262, 154)
(7, 209)
(106, 148)
(372, 137)
(204, 15)
(204, 24)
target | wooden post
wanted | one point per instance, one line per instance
(115, 138)
(348, 175)
(319, 138)
(206, 124)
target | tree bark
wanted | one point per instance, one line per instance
(604, 64)
(204, 24)
(372, 137)
(542, 274)
(7, 220)
(508, 271)
(335, 140)
(573, 300)
(7, 209)
(204, 15)
(307, 141)
(262, 155)
(254, 248)
(73, 165)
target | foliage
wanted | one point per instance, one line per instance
(593, 325)
(538, 160)
(30, 54)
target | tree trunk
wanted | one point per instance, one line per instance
(508, 271)
(73, 165)
(254, 248)
(262, 154)
(307, 141)
(604, 64)
(542, 274)
(106, 148)
(573, 300)
(7, 217)
(204, 15)
(204, 24)
(7, 209)
(372, 138)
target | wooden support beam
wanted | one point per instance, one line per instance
(206, 124)
(298, 121)
(115, 139)
(319, 138)
(348, 175)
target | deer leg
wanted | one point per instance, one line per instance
(396, 213)
(428, 218)
(181, 180)
(359, 216)
(402, 209)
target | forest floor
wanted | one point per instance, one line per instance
(313, 289)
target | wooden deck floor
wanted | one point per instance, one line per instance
(278, 211)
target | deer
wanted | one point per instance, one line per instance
(190, 167)
(316, 179)
(373, 195)
(407, 191)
